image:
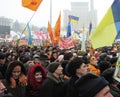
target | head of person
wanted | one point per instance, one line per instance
(77, 67)
(44, 60)
(68, 55)
(108, 75)
(103, 65)
(2, 88)
(8, 56)
(36, 75)
(113, 61)
(2, 58)
(36, 59)
(14, 56)
(91, 85)
(93, 61)
(15, 70)
(55, 68)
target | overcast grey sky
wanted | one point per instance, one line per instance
(13, 9)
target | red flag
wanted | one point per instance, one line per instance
(31, 4)
(57, 28)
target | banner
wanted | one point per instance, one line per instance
(66, 43)
(117, 71)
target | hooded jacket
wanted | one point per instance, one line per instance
(33, 87)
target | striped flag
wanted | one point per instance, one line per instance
(108, 29)
(69, 29)
(29, 37)
(73, 19)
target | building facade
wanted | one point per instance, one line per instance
(86, 13)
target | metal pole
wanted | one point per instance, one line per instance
(51, 12)
(24, 29)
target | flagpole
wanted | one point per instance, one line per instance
(51, 12)
(25, 27)
(83, 40)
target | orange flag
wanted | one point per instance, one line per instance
(31, 4)
(49, 29)
(57, 28)
(91, 51)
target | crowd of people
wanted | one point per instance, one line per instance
(48, 71)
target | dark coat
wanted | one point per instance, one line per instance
(19, 91)
(20, 84)
(115, 91)
(52, 87)
(70, 87)
(3, 69)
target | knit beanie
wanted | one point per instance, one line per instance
(89, 85)
(53, 66)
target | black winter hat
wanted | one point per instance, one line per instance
(89, 85)
(113, 60)
(73, 65)
(43, 57)
(2, 55)
(103, 65)
(26, 58)
(103, 56)
(53, 66)
(108, 75)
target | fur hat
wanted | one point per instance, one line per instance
(73, 65)
(53, 66)
(89, 85)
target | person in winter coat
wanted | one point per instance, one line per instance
(91, 85)
(108, 75)
(93, 66)
(75, 69)
(36, 76)
(53, 85)
(3, 91)
(3, 66)
(15, 80)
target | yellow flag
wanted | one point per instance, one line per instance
(31, 4)
(57, 28)
(108, 29)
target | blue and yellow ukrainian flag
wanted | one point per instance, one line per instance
(69, 29)
(73, 19)
(108, 29)
(29, 37)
